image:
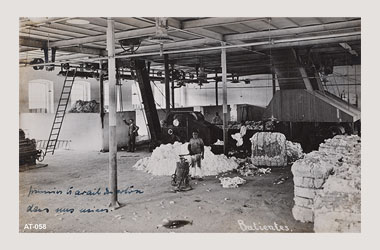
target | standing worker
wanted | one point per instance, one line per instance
(196, 149)
(132, 133)
(217, 119)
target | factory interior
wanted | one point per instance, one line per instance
(190, 124)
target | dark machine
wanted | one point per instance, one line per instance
(183, 123)
(28, 154)
(180, 179)
(310, 117)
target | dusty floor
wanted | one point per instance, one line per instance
(258, 205)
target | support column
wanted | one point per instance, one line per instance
(167, 83)
(112, 167)
(101, 86)
(173, 104)
(273, 83)
(224, 80)
(216, 90)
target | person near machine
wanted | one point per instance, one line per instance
(217, 120)
(196, 151)
(132, 133)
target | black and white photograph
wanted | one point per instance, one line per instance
(186, 124)
(190, 124)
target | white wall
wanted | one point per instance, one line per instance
(82, 129)
(346, 75)
(28, 74)
(258, 92)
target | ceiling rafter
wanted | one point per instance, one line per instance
(26, 41)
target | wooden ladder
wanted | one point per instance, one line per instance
(61, 111)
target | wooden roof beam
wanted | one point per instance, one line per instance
(216, 21)
(118, 35)
(25, 41)
(293, 31)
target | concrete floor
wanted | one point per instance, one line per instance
(258, 205)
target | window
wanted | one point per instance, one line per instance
(41, 96)
(106, 91)
(80, 91)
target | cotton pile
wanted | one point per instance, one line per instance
(228, 182)
(163, 160)
(237, 137)
(327, 186)
(85, 107)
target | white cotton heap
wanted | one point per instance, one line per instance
(164, 158)
(219, 142)
(293, 151)
(237, 137)
(228, 182)
(327, 186)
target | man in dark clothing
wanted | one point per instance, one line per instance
(217, 119)
(132, 133)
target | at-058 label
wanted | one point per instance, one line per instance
(35, 226)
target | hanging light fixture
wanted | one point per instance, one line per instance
(78, 21)
(38, 19)
(161, 35)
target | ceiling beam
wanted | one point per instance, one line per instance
(175, 45)
(308, 42)
(205, 33)
(75, 29)
(177, 25)
(215, 21)
(102, 22)
(293, 31)
(118, 35)
(25, 41)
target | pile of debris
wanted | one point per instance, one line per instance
(85, 107)
(228, 182)
(328, 186)
(251, 125)
(246, 168)
(163, 160)
(294, 151)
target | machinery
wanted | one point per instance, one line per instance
(183, 123)
(311, 116)
(28, 154)
(180, 179)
